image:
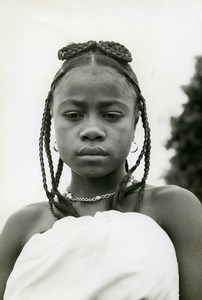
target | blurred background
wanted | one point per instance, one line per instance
(164, 37)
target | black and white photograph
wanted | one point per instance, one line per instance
(101, 150)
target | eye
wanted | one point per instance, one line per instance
(112, 116)
(73, 115)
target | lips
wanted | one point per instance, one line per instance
(87, 150)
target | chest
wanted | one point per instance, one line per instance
(128, 204)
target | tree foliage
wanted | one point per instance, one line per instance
(186, 138)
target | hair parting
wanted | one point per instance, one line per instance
(116, 56)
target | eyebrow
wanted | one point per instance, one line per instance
(72, 101)
(103, 104)
(108, 103)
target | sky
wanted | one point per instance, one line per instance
(164, 38)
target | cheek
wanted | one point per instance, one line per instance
(123, 140)
(127, 130)
(63, 136)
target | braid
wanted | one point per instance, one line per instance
(74, 49)
(47, 125)
(41, 142)
(113, 49)
(122, 189)
(147, 146)
(126, 166)
(59, 171)
(147, 139)
(116, 56)
(41, 151)
(63, 205)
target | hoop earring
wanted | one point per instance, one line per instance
(55, 147)
(134, 147)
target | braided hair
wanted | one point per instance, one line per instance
(118, 57)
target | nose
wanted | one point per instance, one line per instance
(92, 130)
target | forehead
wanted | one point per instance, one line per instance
(94, 79)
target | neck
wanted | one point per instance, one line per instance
(90, 187)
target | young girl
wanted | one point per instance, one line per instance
(108, 236)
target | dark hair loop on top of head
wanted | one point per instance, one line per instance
(74, 49)
(112, 49)
(115, 50)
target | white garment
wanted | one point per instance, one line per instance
(110, 256)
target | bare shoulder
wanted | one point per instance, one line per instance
(171, 200)
(174, 193)
(174, 204)
(32, 218)
(20, 226)
(180, 214)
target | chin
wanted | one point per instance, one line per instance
(93, 173)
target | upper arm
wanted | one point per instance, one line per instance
(10, 247)
(12, 240)
(182, 220)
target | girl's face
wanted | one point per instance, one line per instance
(94, 118)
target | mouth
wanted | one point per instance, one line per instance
(92, 151)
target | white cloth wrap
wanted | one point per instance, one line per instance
(110, 256)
